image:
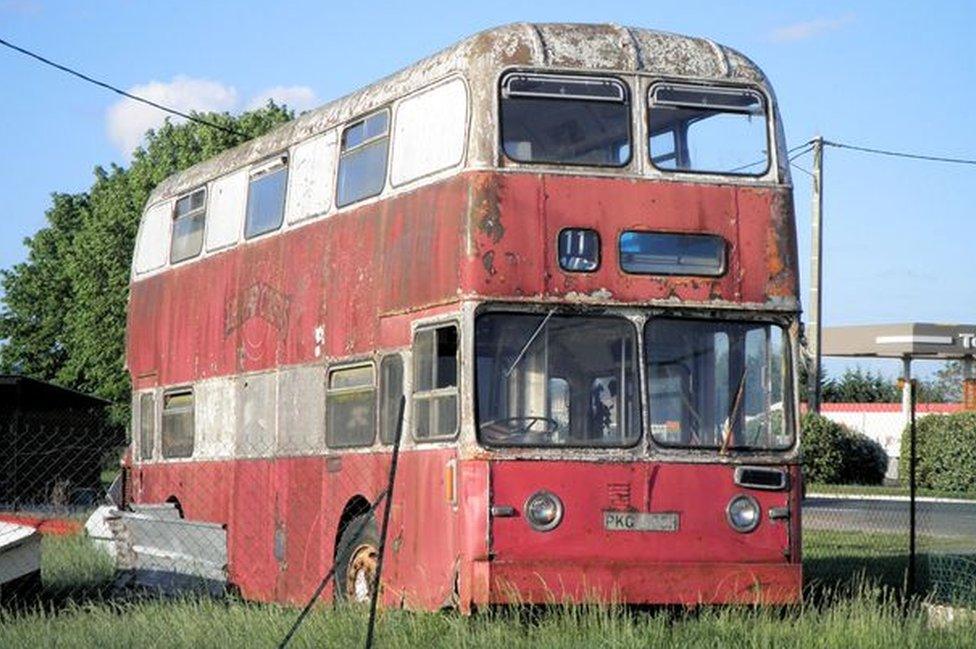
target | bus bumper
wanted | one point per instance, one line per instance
(510, 582)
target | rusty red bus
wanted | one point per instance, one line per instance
(571, 248)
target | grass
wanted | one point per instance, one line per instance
(79, 611)
(880, 490)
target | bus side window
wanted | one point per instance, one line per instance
(147, 422)
(266, 198)
(177, 429)
(350, 407)
(391, 391)
(362, 158)
(189, 216)
(435, 383)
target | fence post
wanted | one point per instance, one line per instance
(912, 461)
(388, 506)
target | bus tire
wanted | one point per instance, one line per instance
(356, 558)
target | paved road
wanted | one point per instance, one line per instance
(891, 516)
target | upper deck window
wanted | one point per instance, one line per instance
(362, 159)
(266, 198)
(189, 216)
(708, 129)
(564, 119)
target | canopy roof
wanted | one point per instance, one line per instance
(909, 339)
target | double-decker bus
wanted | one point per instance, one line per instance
(570, 249)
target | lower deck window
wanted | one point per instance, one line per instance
(435, 391)
(350, 405)
(555, 380)
(391, 394)
(177, 424)
(147, 424)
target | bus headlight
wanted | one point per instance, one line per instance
(543, 511)
(743, 513)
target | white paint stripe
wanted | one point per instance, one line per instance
(914, 340)
(904, 499)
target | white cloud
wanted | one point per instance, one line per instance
(128, 120)
(298, 98)
(809, 29)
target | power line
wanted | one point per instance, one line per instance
(809, 143)
(805, 151)
(806, 171)
(900, 154)
(119, 91)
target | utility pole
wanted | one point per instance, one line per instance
(816, 277)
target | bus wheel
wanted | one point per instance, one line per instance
(356, 557)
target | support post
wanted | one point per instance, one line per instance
(912, 461)
(906, 390)
(968, 384)
(816, 277)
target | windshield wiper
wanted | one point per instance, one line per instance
(733, 412)
(529, 342)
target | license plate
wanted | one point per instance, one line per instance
(641, 522)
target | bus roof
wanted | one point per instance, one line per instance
(553, 45)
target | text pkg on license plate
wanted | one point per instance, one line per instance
(641, 521)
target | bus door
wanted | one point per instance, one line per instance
(423, 537)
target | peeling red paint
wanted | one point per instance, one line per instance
(352, 284)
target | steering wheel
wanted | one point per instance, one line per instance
(508, 429)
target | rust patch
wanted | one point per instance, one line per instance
(488, 261)
(781, 254)
(490, 223)
(483, 210)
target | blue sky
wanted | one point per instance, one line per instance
(886, 74)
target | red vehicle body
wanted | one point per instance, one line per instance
(243, 354)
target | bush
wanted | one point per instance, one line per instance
(835, 454)
(946, 450)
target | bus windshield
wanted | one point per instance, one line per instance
(555, 380)
(565, 119)
(718, 384)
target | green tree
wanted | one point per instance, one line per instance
(945, 386)
(63, 311)
(861, 386)
(32, 321)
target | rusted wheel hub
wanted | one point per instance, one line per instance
(361, 573)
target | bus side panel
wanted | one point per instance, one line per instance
(690, 533)
(301, 527)
(423, 536)
(516, 220)
(250, 532)
(300, 295)
(203, 489)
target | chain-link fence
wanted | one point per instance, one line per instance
(284, 521)
(888, 527)
(56, 466)
(87, 518)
